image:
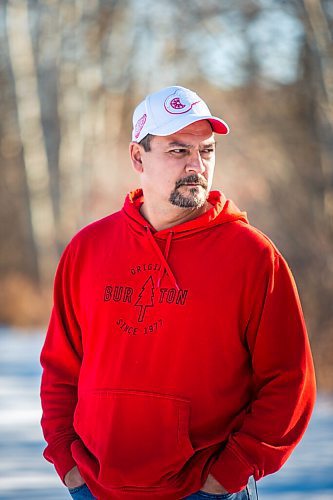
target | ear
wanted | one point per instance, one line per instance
(135, 151)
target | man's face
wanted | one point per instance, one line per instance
(179, 168)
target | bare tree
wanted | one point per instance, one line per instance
(29, 117)
(320, 45)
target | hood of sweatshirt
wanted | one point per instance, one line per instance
(221, 212)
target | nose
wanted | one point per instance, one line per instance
(195, 163)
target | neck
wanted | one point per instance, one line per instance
(173, 216)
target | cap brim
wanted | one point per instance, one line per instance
(218, 125)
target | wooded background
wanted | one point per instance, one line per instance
(71, 72)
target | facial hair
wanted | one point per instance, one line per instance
(195, 197)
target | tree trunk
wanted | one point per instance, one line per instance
(320, 40)
(29, 118)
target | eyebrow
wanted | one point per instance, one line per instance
(189, 146)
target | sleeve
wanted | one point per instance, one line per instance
(283, 381)
(61, 360)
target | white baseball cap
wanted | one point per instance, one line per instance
(169, 110)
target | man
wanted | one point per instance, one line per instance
(176, 363)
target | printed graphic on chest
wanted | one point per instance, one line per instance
(143, 297)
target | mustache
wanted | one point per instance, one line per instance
(192, 179)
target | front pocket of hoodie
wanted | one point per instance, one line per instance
(140, 439)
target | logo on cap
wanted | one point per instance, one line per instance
(180, 102)
(139, 125)
(176, 104)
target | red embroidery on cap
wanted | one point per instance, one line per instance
(180, 102)
(176, 104)
(139, 125)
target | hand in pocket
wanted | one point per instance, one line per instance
(73, 478)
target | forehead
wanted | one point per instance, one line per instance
(197, 132)
(201, 127)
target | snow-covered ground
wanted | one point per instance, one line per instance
(25, 474)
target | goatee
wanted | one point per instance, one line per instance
(197, 195)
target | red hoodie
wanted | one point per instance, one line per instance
(174, 354)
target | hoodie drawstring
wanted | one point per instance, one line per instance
(165, 268)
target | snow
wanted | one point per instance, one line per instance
(25, 474)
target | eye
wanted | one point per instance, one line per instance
(178, 151)
(207, 151)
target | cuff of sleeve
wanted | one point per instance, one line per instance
(231, 470)
(62, 460)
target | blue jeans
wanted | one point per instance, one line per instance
(250, 493)
(81, 492)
